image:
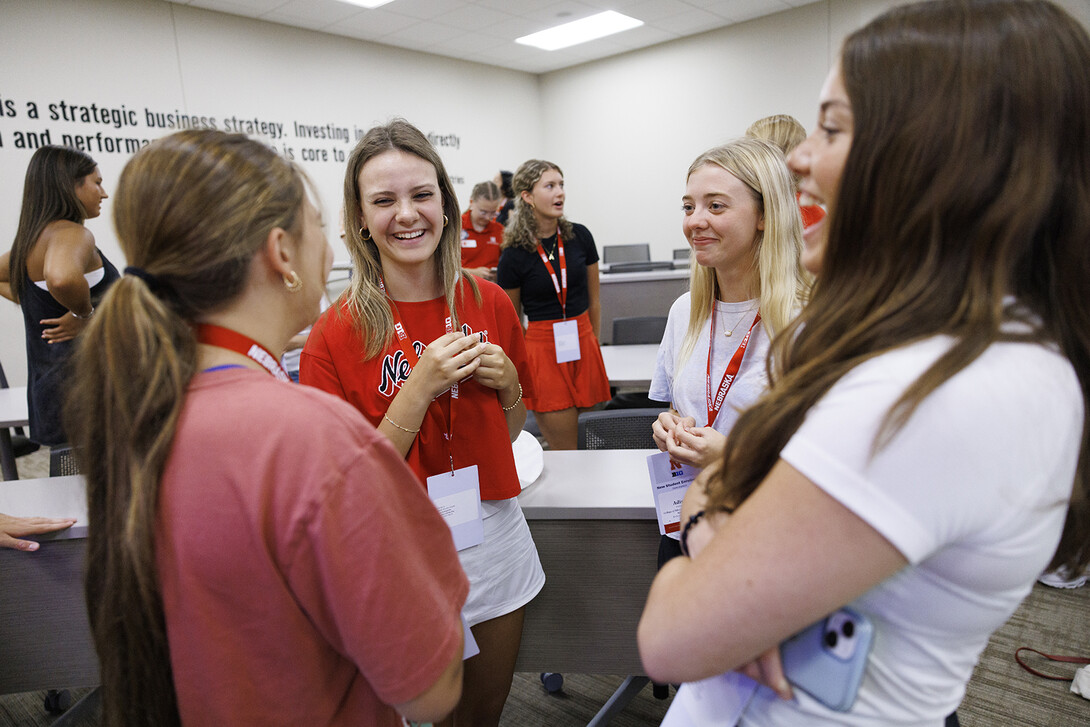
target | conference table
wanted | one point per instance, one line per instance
(591, 513)
(13, 413)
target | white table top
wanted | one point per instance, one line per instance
(630, 365)
(596, 484)
(13, 407)
(48, 497)
(607, 278)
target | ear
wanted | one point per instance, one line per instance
(761, 223)
(527, 198)
(279, 252)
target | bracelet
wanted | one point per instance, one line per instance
(83, 318)
(410, 431)
(509, 408)
(693, 520)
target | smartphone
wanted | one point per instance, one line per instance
(827, 659)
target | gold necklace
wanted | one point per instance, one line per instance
(730, 331)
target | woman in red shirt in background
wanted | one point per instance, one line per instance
(481, 234)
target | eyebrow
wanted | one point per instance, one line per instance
(835, 102)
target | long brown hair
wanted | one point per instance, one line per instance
(521, 230)
(968, 180)
(49, 194)
(192, 209)
(367, 304)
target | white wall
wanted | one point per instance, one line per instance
(166, 57)
(625, 129)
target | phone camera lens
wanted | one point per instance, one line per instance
(848, 629)
(830, 639)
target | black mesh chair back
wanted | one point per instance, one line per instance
(638, 329)
(617, 429)
(626, 253)
(62, 461)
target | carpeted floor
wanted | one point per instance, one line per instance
(1000, 694)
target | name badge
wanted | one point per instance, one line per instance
(457, 497)
(715, 702)
(469, 242)
(670, 480)
(566, 338)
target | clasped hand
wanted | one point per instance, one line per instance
(453, 356)
(686, 442)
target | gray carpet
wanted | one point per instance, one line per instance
(1001, 693)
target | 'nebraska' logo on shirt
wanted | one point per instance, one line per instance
(396, 367)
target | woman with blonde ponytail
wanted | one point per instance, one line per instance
(243, 566)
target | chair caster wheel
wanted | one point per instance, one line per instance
(552, 681)
(57, 701)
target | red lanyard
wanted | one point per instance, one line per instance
(221, 337)
(561, 286)
(732, 368)
(410, 355)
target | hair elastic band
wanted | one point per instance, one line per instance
(157, 287)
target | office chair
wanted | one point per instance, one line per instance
(629, 330)
(62, 461)
(13, 442)
(620, 429)
(639, 266)
(636, 330)
(626, 253)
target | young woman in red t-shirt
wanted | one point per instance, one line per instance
(436, 360)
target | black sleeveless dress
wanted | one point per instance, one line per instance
(47, 363)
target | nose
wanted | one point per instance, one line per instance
(798, 160)
(695, 221)
(406, 211)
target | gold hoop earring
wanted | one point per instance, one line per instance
(293, 284)
(445, 221)
(364, 235)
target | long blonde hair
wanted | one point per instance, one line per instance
(783, 283)
(192, 209)
(368, 306)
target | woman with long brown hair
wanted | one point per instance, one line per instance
(922, 453)
(258, 553)
(549, 269)
(56, 274)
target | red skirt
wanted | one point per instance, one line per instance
(557, 386)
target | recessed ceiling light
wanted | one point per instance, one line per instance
(580, 31)
(367, 3)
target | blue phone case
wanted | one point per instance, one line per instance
(827, 660)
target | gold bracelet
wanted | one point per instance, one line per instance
(509, 408)
(410, 431)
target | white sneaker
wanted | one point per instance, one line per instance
(1062, 578)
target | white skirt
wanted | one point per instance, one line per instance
(504, 571)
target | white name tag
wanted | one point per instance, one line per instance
(669, 482)
(566, 338)
(469, 242)
(716, 702)
(457, 496)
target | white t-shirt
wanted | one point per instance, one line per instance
(686, 389)
(973, 491)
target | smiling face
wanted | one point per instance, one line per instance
(722, 220)
(819, 161)
(90, 193)
(547, 196)
(401, 208)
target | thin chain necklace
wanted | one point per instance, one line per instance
(730, 331)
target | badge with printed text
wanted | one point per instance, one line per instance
(457, 496)
(669, 481)
(566, 338)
